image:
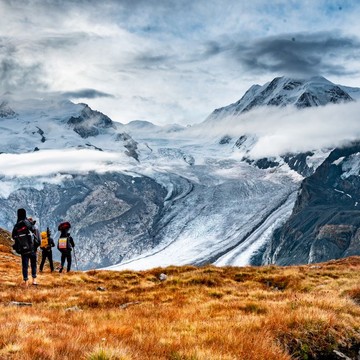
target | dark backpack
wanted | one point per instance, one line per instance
(24, 243)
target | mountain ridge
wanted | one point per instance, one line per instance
(285, 91)
(158, 196)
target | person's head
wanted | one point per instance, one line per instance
(64, 232)
(64, 226)
(21, 214)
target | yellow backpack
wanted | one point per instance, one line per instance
(44, 240)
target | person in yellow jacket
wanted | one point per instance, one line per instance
(47, 243)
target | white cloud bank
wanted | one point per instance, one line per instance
(49, 162)
(288, 129)
(278, 131)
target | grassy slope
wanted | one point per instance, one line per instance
(197, 313)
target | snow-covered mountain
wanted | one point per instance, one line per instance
(52, 123)
(283, 91)
(140, 195)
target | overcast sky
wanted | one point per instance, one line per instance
(172, 61)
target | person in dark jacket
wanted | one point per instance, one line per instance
(46, 250)
(65, 245)
(26, 242)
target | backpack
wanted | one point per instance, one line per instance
(23, 238)
(44, 240)
(64, 226)
(64, 244)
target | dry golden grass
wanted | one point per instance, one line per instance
(198, 313)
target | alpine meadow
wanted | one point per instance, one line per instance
(208, 312)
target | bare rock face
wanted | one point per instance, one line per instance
(334, 240)
(325, 221)
(90, 122)
(112, 215)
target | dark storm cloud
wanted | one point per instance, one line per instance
(298, 53)
(213, 48)
(153, 61)
(62, 41)
(15, 76)
(111, 8)
(86, 94)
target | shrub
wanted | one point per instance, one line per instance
(240, 277)
(355, 294)
(254, 309)
(206, 280)
(107, 354)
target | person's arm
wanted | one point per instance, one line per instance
(51, 241)
(13, 234)
(72, 241)
(15, 238)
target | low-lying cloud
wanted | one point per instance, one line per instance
(49, 162)
(285, 130)
(86, 94)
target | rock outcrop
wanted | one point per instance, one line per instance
(325, 221)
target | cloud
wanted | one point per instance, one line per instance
(17, 74)
(152, 61)
(199, 55)
(46, 162)
(86, 94)
(296, 54)
(283, 130)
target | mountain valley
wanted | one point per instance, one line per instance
(141, 196)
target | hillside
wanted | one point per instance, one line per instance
(271, 312)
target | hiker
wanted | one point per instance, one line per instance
(26, 243)
(47, 243)
(65, 245)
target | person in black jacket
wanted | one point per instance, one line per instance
(65, 245)
(26, 242)
(46, 250)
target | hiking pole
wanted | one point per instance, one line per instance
(76, 263)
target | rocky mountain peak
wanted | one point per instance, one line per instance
(90, 122)
(285, 91)
(6, 111)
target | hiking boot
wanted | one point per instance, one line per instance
(61, 269)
